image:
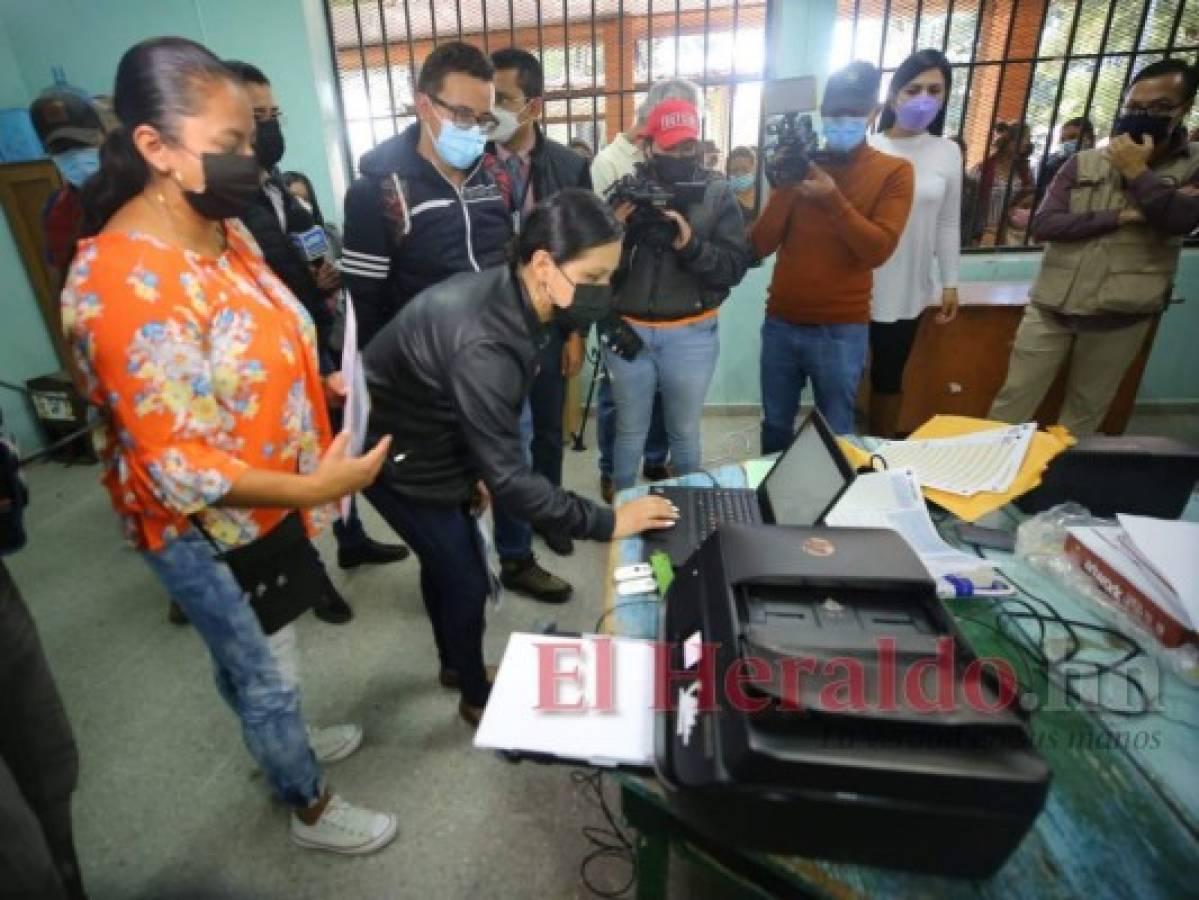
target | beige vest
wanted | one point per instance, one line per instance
(1129, 270)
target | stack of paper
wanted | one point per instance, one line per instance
(1044, 446)
(892, 499)
(968, 464)
(611, 680)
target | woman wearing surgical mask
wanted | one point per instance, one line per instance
(1005, 188)
(448, 377)
(911, 127)
(742, 170)
(205, 368)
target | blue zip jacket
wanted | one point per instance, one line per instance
(407, 228)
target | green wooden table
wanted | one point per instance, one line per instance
(1121, 819)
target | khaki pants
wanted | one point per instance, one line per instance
(1097, 366)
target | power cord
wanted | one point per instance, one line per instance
(1010, 612)
(607, 841)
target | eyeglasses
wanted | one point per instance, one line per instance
(1162, 108)
(268, 114)
(464, 117)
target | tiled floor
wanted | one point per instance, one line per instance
(170, 805)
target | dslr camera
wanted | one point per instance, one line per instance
(647, 226)
(791, 144)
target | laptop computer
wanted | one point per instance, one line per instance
(804, 483)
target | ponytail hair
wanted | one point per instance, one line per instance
(566, 226)
(158, 82)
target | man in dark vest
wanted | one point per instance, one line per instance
(291, 243)
(1113, 222)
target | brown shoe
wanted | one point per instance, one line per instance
(449, 678)
(472, 715)
(525, 576)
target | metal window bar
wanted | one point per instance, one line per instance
(594, 87)
(366, 79)
(948, 26)
(355, 52)
(391, 95)
(678, 28)
(566, 68)
(1037, 63)
(1032, 72)
(411, 53)
(1061, 90)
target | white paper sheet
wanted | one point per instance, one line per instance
(987, 461)
(623, 736)
(892, 499)
(1172, 549)
(358, 402)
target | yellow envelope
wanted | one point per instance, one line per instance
(1044, 447)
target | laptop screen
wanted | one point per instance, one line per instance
(807, 478)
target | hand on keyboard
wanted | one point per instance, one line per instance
(644, 514)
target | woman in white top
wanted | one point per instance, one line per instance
(910, 127)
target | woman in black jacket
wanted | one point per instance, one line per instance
(448, 377)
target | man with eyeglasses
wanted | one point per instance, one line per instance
(1113, 222)
(294, 247)
(425, 208)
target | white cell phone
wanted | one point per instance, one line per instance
(635, 570)
(639, 586)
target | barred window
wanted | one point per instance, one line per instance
(599, 58)
(1034, 63)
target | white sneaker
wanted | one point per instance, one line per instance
(334, 742)
(343, 828)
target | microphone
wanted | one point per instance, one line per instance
(312, 244)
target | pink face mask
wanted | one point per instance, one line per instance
(918, 113)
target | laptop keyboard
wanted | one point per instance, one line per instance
(716, 506)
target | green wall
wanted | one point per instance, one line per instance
(285, 38)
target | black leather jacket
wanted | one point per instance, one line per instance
(448, 377)
(676, 284)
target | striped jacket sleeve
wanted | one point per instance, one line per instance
(366, 258)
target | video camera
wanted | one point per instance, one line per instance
(647, 225)
(791, 143)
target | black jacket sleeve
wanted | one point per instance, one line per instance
(486, 392)
(721, 259)
(366, 258)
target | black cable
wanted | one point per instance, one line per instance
(607, 841)
(1007, 618)
(607, 612)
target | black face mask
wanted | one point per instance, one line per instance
(268, 145)
(675, 169)
(1136, 127)
(231, 182)
(592, 302)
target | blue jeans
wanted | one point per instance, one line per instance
(657, 445)
(247, 675)
(453, 582)
(678, 363)
(832, 356)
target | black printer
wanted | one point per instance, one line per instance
(823, 702)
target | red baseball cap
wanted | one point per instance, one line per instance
(671, 122)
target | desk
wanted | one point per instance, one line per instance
(958, 368)
(1120, 821)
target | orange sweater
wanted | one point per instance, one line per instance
(828, 250)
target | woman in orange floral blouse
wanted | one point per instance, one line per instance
(205, 366)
